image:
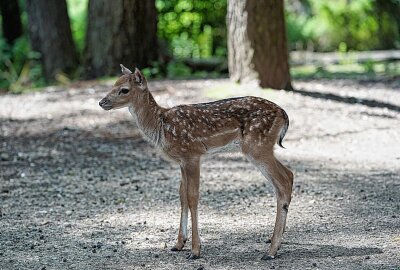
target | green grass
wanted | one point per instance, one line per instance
(369, 70)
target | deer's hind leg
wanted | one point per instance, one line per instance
(282, 180)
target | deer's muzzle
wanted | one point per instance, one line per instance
(105, 104)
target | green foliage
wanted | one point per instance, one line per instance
(152, 72)
(19, 66)
(77, 11)
(193, 28)
(178, 70)
(326, 25)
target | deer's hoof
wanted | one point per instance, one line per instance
(267, 257)
(175, 249)
(193, 257)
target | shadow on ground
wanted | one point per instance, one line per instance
(73, 200)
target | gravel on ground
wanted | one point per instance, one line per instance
(80, 188)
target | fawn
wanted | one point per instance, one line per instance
(187, 132)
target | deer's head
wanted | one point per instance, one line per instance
(126, 89)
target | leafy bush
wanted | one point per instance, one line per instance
(325, 25)
(178, 70)
(193, 28)
(19, 66)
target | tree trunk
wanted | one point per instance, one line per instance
(11, 20)
(388, 16)
(120, 32)
(50, 34)
(257, 42)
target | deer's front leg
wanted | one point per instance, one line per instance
(182, 235)
(192, 169)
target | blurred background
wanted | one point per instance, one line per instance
(56, 42)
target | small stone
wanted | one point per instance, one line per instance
(4, 156)
(32, 246)
(156, 256)
(94, 250)
(367, 257)
(64, 260)
(314, 264)
(114, 250)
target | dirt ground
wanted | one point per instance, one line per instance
(80, 189)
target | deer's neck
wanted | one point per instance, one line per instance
(146, 113)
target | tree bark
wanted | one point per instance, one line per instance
(11, 20)
(120, 32)
(257, 46)
(50, 34)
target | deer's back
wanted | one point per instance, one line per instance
(225, 123)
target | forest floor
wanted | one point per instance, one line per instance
(80, 189)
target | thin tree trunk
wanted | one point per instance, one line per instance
(120, 32)
(50, 34)
(257, 46)
(11, 20)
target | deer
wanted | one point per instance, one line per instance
(185, 133)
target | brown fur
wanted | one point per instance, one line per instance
(187, 132)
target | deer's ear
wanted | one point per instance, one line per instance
(138, 76)
(125, 70)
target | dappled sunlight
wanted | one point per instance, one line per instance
(117, 117)
(84, 198)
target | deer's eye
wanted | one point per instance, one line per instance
(124, 91)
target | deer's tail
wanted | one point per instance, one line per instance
(284, 129)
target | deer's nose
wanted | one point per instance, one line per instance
(105, 103)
